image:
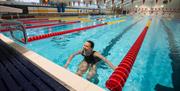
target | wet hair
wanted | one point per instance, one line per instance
(91, 42)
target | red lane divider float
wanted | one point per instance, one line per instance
(8, 24)
(118, 78)
(45, 25)
(26, 20)
(38, 26)
(33, 38)
(7, 29)
(34, 22)
(29, 22)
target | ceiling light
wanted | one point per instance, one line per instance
(162, 6)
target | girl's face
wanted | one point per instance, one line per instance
(87, 46)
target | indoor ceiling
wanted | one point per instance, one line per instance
(128, 3)
(150, 3)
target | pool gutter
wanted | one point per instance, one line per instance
(68, 79)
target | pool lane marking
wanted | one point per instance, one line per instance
(174, 54)
(113, 41)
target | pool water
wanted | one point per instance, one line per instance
(152, 65)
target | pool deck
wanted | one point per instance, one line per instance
(17, 73)
(22, 69)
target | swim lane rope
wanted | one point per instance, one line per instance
(33, 38)
(38, 26)
(118, 78)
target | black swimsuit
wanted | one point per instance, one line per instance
(91, 59)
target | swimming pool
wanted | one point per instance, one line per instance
(114, 41)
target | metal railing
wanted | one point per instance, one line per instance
(14, 26)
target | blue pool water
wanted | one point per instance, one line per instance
(152, 65)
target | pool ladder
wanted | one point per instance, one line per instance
(13, 26)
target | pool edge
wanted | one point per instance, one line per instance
(68, 79)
